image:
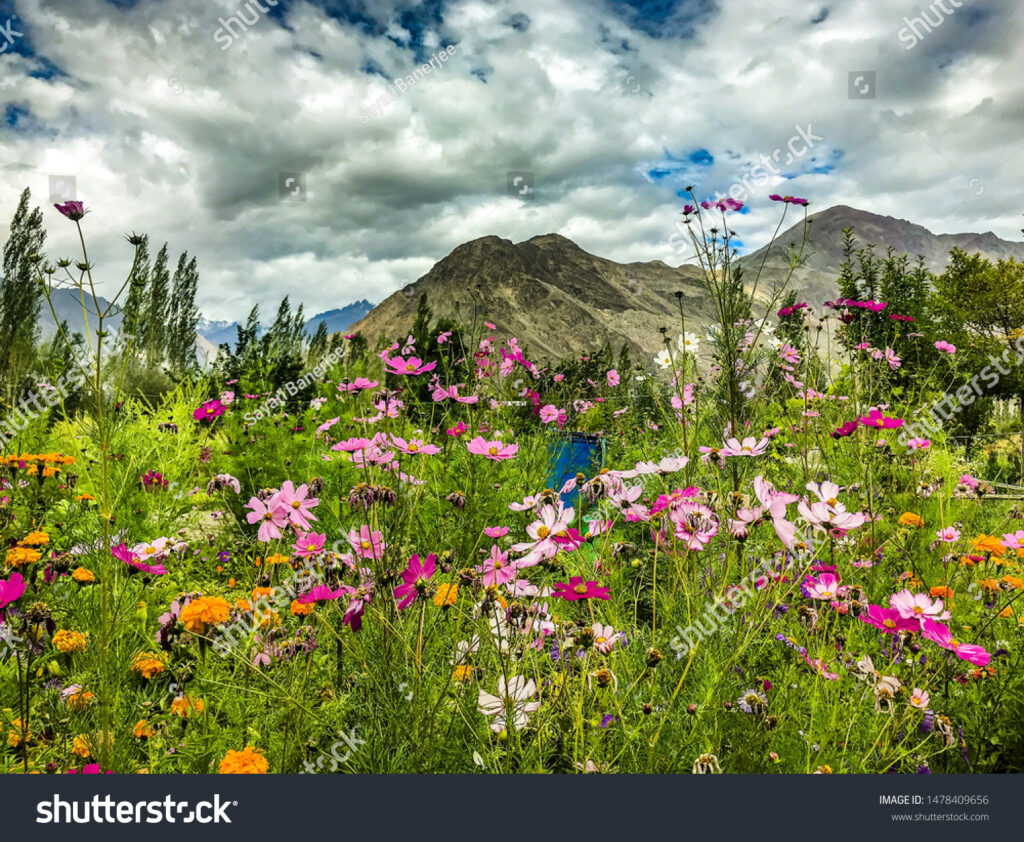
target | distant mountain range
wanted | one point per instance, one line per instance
(560, 300)
(221, 332)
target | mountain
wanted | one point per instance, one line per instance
(339, 320)
(560, 300)
(68, 307)
(815, 278)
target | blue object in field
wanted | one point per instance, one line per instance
(575, 453)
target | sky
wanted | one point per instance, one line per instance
(271, 141)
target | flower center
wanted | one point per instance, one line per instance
(543, 532)
(365, 545)
(150, 550)
(580, 589)
(889, 624)
(918, 609)
(414, 447)
(601, 640)
(296, 504)
(410, 367)
(492, 451)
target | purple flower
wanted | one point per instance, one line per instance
(72, 210)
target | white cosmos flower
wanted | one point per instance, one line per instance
(688, 343)
(663, 358)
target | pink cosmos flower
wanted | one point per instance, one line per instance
(1013, 540)
(297, 503)
(876, 419)
(357, 385)
(358, 599)
(825, 587)
(444, 337)
(319, 593)
(495, 531)
(891, 358)
(919, 606)
(414, 447)
(550, 522)
(939, 633)
(309, 544)
(748, 447)
(888, 620)
(72, 210)
(919, 444)
(613, 378)
(949, 534)
(695, 524)
(208, 411)
(12, 589)
(457, 430)
(723, 205)
(323, 428)
(352, 445)
(789, 200)
(605, 638)
(414, 579)
(441, 393)
(828, 516)
(512, 705)
(494, 450)
(408, 366)
(548, 413)
(496, 569)
(576, 589)
(945, 347)
(919, 699)
(367, 543)
(122, 553)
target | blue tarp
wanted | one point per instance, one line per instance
(571, 454)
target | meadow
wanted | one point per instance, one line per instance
(760, 560)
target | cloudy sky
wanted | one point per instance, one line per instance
(178, 117)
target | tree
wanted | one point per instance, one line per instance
(132, 315)
(20, 294)
(183, 318)
(157, 309)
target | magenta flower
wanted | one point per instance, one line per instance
(789, 200)
(457, 430)
(917, 606)
(576, 589)
(919, 444)
(319, 593)
(844, 430)
(414, 580)
(359, 598)
(208, 411)
(888, 620)
(949, 534)
(613, 377)
(876, 419)
(494, 450)
(309, 544)
(789, 311)
(939, 633)
(945, 347)
(11, 590)
(826, 587)
(122, 553)
(72, 210)
(357, 385)
(495, 531)
(548, 413)
(695, 524)
(408, 366)
(723, 205)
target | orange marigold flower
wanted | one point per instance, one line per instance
(910, 519)
(941, 591)
(85, 498)
(1014, 582)
(68, 641)
(1007, 612)
(50, 472)
(18, 556)
(82, 746)
(989, 544)
(276, 558)
(463, 672)
(142, 730)
(990, 585)
(203, 612)
(185, 706)
(149, 664)
(446, 595)
(248, 761)
(83, 575)
(80, 700)
(300, 610)
(258, 593)
(35, 539)
(17, 734)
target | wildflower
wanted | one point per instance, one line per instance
(919, 699)
(299, 609)
(723, 205)
(20, 556)
(688, 343)
(752, 701)
(309, 544)
(414, 447)
(512, 705)
(69, 641)
(296, 503)
(496, 570)
(706, 764)
(11, 590)
(748, 447)
(919, 444)
(989, 544)
(72, 210)
(920, 606)
(663, 358)
(208, 411)
(843, 430)
(83, 575)
(149, 664)
(577, 589)
(415, 578)
(142, 730)
(494, 450)
(271, 518)
(945, 347)
(911, 519)
(35, 539)
(367, 543)
(446, 594)
(457, 430)
(948, 534)
(203, 612)
(605, 638)
(888, 620)
(411, 366)
(248, 761)
(825, 587)
(131, 558)
(185, 706)
(875, 418)
(940, 634)
(789, 200)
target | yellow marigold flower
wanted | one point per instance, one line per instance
(231, 582)
(50, 472)
(910, 519)
(203, 612)
(1007, 612)
(82, 746)
(18, 556)
(1014, 582)
(248, 761)
(990, 585)
(149, 664)
(446, 595)
(32, 470)
(300, 610)
(184, 706)
(17, 734)
(142, 730)
(276, 558)
(68, 641)
(80, 700)
(463, 672)
(83, 575)
(35, 539)
(989, 544)
(243, 605)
